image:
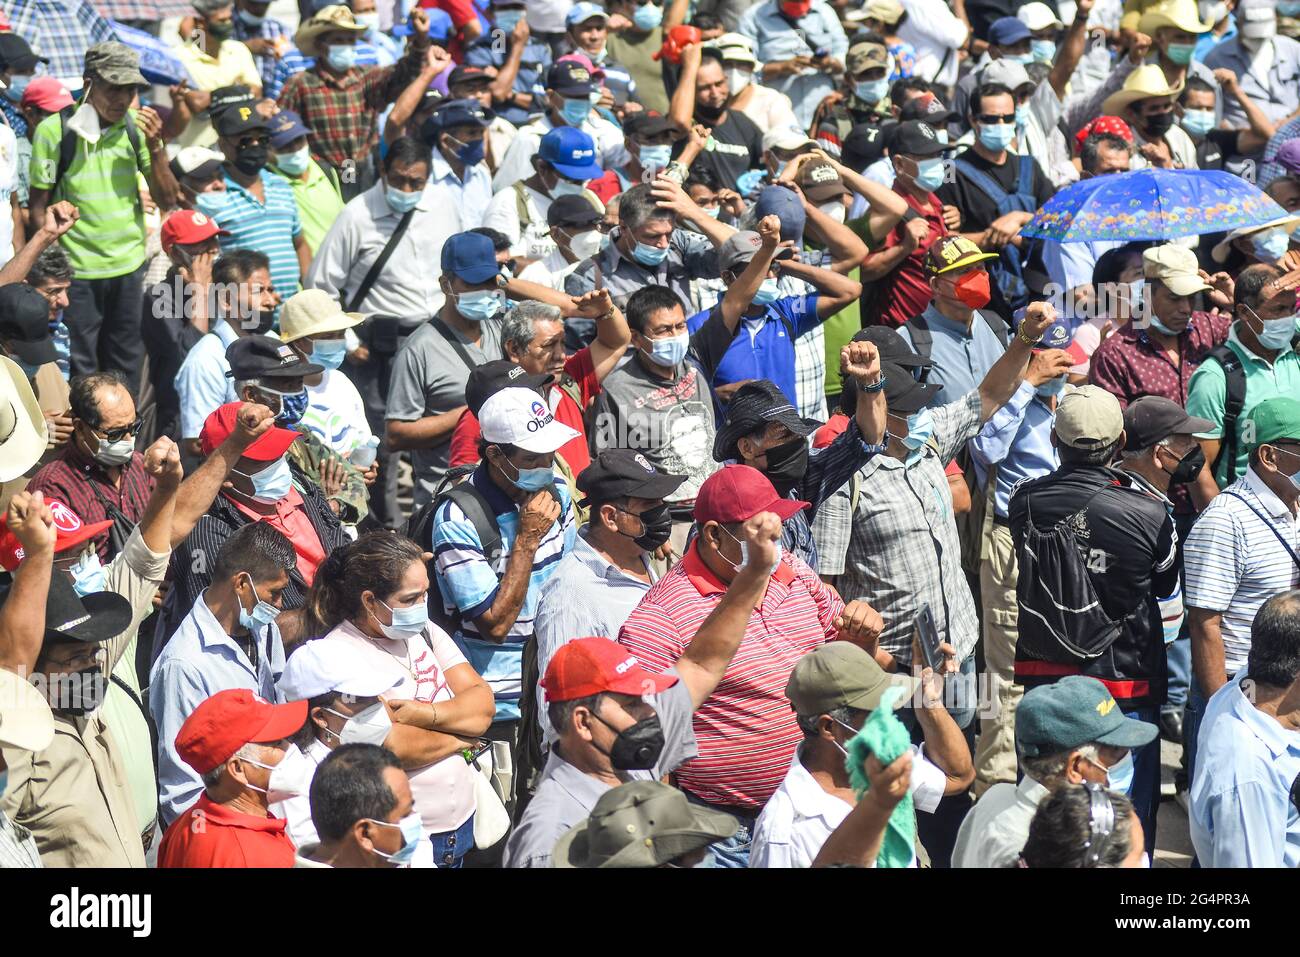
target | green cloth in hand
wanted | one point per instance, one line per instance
(885, 736)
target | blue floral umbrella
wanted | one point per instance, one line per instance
(158, 62)
(1152, 204)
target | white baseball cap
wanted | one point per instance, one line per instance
(317, 667)
(1038, 16)
(520, 417)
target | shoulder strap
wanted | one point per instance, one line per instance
(1234, 400)
(981, 180)
(997, 324)
(471, 501)
(1025, 175)
(377, 267)
(521, 206)
(1269, 525)
(922, 339)
(470, 363)
(68, 144)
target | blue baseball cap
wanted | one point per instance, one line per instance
(1007, 31)
(1058, 335)
(286, 126)
(471, 257)
(571, 152)
(452, 113)
(784, 204)
(582, 12)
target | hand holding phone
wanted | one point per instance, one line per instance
(928, 638)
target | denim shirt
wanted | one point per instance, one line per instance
(775, 39)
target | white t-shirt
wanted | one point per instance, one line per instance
(336, 414)
(547, 16)
(550, 272)
(8, 183)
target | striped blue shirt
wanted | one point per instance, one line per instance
(269, 228)
(469, 583)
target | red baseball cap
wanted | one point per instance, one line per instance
(221, 423)
(230, 719)
(69, 529)
(587, 666)
(46, 93)
(736, 493)
(188, 227)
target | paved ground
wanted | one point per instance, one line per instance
(1173, 839)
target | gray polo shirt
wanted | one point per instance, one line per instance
(565, 795)
(962, 357)
(429, 378)
(690, 256)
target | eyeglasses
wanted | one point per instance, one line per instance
(990, 118)
(117, 435)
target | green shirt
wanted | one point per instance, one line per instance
(840, 329)
(1207, 392)
(319, 202)
(109, 238)
(633, 49)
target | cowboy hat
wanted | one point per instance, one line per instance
(23, 433)
(1145, 82)
(1220, 251)
(329, 19)
(1181, 14)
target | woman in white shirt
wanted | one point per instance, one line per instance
(373, 594)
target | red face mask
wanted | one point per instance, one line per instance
(973, 289)
(796, 10)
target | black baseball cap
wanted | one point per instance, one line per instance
(491, 377)
(893, 347)
(449, 114)
(25, 323)
(237, 119)
(624, 473)
(753, 406)
(647, 123)
(257, 356)
(915, 139)
(865, 144)
(570, 79)
(1153, 418)
(226, 96)
(466, 73)
(16, 56)
(573, 211)
(929, 108)
(903, 394)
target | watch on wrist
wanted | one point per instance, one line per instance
(874, 386)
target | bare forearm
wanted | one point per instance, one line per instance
(682, 108)
(468, 714)
(423, 433)
(881, 264)
(1004, 378)
(418, 748)
(522, 289)
(856, 842)
(495, 623)
(870, 413)
(200, 489)
(156, 523)
(407, 103)
(1071, 52)
(503, 86)
(846, 249)
(740, 294)
(164, 189)
(22, 616)
(1209, 663)
(16, 269)
(945, 748)
(711, 650)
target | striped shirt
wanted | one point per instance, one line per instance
(109, 238)
(268, 227)
(469, 581)
(59, 29)
(746, 731)
(268, 29)
(1234, 563)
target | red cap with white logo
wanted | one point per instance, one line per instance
(188, 227)
(520, 417)
(587, 666)
(70, 531)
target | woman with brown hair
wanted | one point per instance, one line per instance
(373, 594)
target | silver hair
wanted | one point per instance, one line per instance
(1049, 769)
(809, 723)
(1127, 456)
(250, 752)
(517, 330)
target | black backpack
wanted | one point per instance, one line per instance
(923, 339)
(68, 142)
(1234, 400)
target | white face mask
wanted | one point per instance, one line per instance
(834, 210)
(370, 726)
(586, 244)
(737, 79)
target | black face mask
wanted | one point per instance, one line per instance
(787, 464)
(250, 159)
(81, 692)
(708, 114)
(636, 748)
(1188, 467)
(1156, 126)
(656, 525)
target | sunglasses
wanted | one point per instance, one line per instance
(991, 118)
(116, 435)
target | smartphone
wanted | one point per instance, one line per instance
(479, 749)
(185, 259)
(929, 636)
(821, 53)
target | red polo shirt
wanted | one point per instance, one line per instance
(904, 293)
(290, 517)
(746, 732)
(212, 835)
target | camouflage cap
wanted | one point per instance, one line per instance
(865, 55)
(114, 63)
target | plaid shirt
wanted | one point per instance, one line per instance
(74, 481)
(60, 30)
(898, 547)
(342, 110)
(128, 10)
(13, 117)
(268, 29)
(294, 61)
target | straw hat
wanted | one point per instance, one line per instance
(1173, 13)
(329, 19)
(1145, 82)
(22, 424)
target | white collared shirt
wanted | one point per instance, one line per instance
(994, 832)
(470, 195)
(801, 815)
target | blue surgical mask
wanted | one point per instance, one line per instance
(1024, 59)
(872, 91)
(507, 20)
(713, 212)
(1052, 388)
(929, 174)
(252, 19)
(292, 409)
(471, 153)
(920, 427)
(1119, 776)
(479, 306)
(769, 292)
(997, 136)
(406, 621)
(942, 136)
(263, 612)
(649, 255)
(341, 56)
(1022, 114)
(670, 351)
(655, 157)
(368, 20)
(1044, 51)
(1198, 122)
(329, 352)
(412, 829)
(17, 84)
(1181, 53)
(1277, 333)
(271, 484)
(1160, 327)
(212, 204)
(88, 575)
(647, 17)
(400, 201)
(575, 112)
(295, 163)
(1270, 246)
(531, 480)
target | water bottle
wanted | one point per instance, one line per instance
(363, 456)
